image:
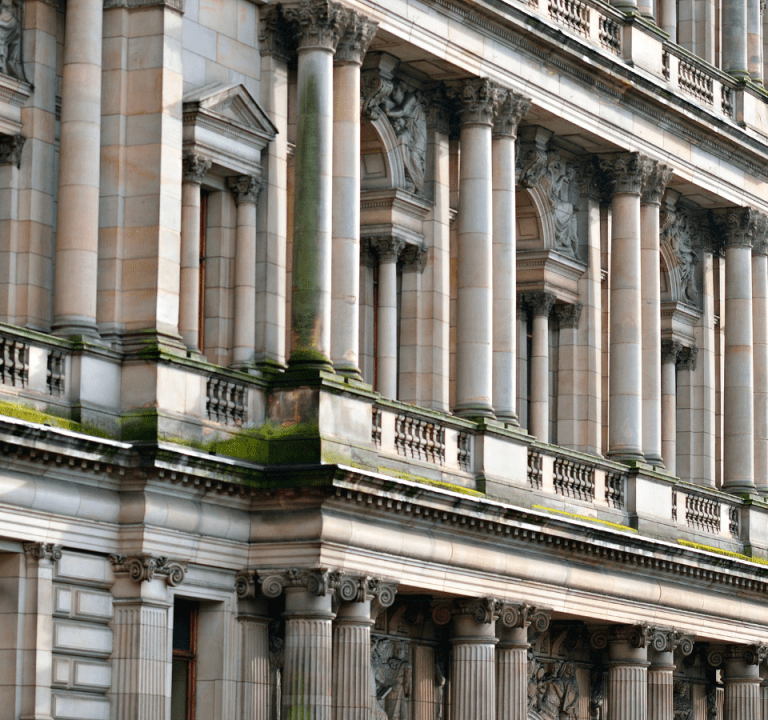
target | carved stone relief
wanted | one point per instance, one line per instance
(276, 658)
(679, 236)
(392, 677)
(10, 39)
(553, 691)
(682, 703)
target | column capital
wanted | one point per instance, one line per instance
(245, 188)
(10, 149)
(638, 636)
(194, 167)
(387, 247)
(568, 315)
(740, 226)
(513, 615)
(667, 640)
(414, 258)
(438, 108)
(479, 101)
(317, 581)
(591, 182)
(541, 302)
(318, 24)
(356, 40)
(510, 111)
(41, 552)
(686, 358)
(626, 172)
(656, 182)
(145, 567)
(754, 654)
(275, 37)
(670, 349)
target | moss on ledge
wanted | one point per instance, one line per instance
(428, 481)
(29, 414)
(607, 523)
(726, 553)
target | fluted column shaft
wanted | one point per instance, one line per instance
(661, 688)
(669, 405)
(738, 443)
(255, 673)
(760, 344)
(742, 690)
(542, 304)
(627, 682)
(77, 228)
(473, 670)
(352, 692)
(307, 669)
(512, 675)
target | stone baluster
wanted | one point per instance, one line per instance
(661, 654)
(77, 224)
(650, 204)
(246, 189)
(194, 169)
(318, 26)
(542, 304)
(513, 108)
(512, 658)
(345, 283)
(760, 344)
(388, 249)
(669, 352)
(307, 687)
(628, 173)
(739, 227)
(741, 679)
(474, 332)
(352, 691)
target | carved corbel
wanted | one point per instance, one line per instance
(144, 568)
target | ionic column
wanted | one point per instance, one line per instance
(760, 340)
(512, 658)
(542, 304)
(669, 353)
(474, 333)
(352, 691)
(195, 167)
(505, 256)
(77, 219)
(318, 26)
(754, 41)
(739, 226)
(741, 678)
(734, 38)
(254, 629)
(473, 661)
(307, 666)
(388, 249)
(628, 173)
(246, 189)
(650, 203)
(345, 283)
(661, 654)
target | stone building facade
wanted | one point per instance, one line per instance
(399, 360)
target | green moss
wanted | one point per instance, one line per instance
(607, 523)
(721, 551)
(23, 412)
(139, 426)
(428, 481)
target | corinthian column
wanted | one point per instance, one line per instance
(505, 256)
(739, 226)
(474, 333)
(195, 167)
(246, 189)
(77, 224)
(319, 26)
(345, 285)
(760, 340)
(628, 173)
(650, 202)
(542, 304)
(669, 353)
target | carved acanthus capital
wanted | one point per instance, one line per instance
(276, 36)
(590, 179)
(367, 253)
(686, 358)
(356, 39)
(511, 110)
(438, 108)
(414, 258)
(670, 349)
(319, 582)
(194, 167)
(627, 172)
(387, 247)
(568, 315)
(10, 149)
(144, 568)
(479, 101)
(669, 640)
(656, 182)
(245, 188)
(42, 552)
(541, 303)
(740, 227)
(512, 615)
(318, 23)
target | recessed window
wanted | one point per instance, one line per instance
(184, 660)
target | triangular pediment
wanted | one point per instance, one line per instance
(231, 103)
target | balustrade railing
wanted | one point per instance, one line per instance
(14, 362)
(702, 513)
(574, 479)
(419, 439)
(574, 14)
(226, 401)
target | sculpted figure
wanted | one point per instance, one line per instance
(405, 111)
(681, 703)
(276, 657)
(10, 39)
(566, 235)
(392, 675)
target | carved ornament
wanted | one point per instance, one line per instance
(11, 26)
(541, 303)
(627, 172)
(194, 167)
(10, 149)
(679, 237)
(414, 258)
(511, 110)
(276, 36)
(670, 349)
(553, 691)
(245, 188)
(479, 101)
(656, 182)
(387, 247)
(686, 358)
(357, 39)
(568, 315)
(740, 227)
(144, 568)
(42, 551)
(318, 23)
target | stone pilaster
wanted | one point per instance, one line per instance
(650, 202)
(669, 352)
(687, 416)
(569, 392)
(246, 189)
(542, 304)
(345, 283)
(760, 344)
(522, 362)
(412, 324)
(511, 111)
(480, 99)
(627, 174)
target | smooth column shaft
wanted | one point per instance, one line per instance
(245, 285)
(760, 339)
(625, 382)
(738, 468)
(754, 40)
(386, 335)
(77, 230)
(734, 34)
(189, 285)
(311, 296)
(651, 329)
(539, 395)
(345, 299)
(669, 414)
(504, 284)
(475, 283)
(668, 18)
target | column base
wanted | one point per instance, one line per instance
(76, 327)
(739, 488)
(655, 460)
(472, 410)
(308, 361)
(508, 419)
(348, 371)
(626, 456)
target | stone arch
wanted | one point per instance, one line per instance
(535, 228)
(672, 286)
(381, 161)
